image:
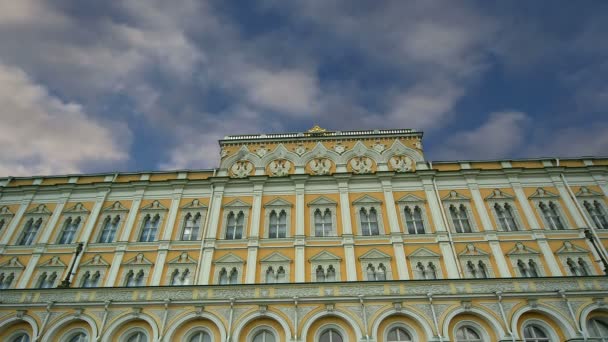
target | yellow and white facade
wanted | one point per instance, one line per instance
(313, 236)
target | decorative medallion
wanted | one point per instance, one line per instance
(320, 166)
(300, 149)
(261, 151)
(279, 168)
(379, 147)
(339, 148)
(241, 169)
(361, 165)
(401, 163)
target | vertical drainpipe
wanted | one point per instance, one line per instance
(103, 320)
(430, 296)
(164, 323)
(295, 318)
(229, 334)
(49, 305)
(446, 224)
(504, 317)
(364, 317)
(562, 294)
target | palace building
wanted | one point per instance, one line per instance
(329, 236)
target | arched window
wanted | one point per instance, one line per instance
(532, 268)
(551, 215)
(200, 336)
(582, 266)
(467, 334)
(371, 272)
(6, 280)
(323, 224)
(506, 217)
(79, 337)
(277, 227)
(234, 276)
(369, 222)
(320, 273)
(223, 276)
(523, 270)
(597, 213)
(482, 270)
(264, 336)
(534, 333)
(138, 336)
(108, 232)
(270, 275)
(29, 232)
(413, 220)
(432, 271)
(234, 226)
(135, 279)
(460, 218)
(2, 223)
(90, 280)
(281, 276)
(331, 335)
(47, 281)
(331, 273)
(69, 230)
(150, 228)
(598, 329)
(191, 227)
(22, 337)
(398, 334)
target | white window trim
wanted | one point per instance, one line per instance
(181, 263)
(52, 265)
(328, 326)
(275, 265)
(368, 202)
(190, 333)
(268, 208)
(7, 216)
(412, 204)
(14, 334)
(40, 212)
(152, 209)
(12, 266)
(125, 336)
(116, 209)
(235, 206)
(585, 194)
(133, 265)
(312, 207)
(516, 215)
(325, 259)
(525, 255)
(475, 326)
(473, 254)
(425, 259)
(259, 329)
(456, 199)
(72, 333)
(560, 212)
(229, 265)
(192, 208)
(376, 260)
(408, 329)
(574, 252)
(548, 329)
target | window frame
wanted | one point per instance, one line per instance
(235, 206)
(325, 259)
(136, 264)
(456, 199)
(483, 334)
(584, 194)
(6, 216)
(475, 255)
(12, 266)
(322, 203)
(193, 331)
(113, 211)
(41, 214)
(75, 332)
(130, 332)
(229, 262)
(551, 334)
(368, 203)
(277, 205)
(376, 257)
(409, 330)
(331, 326)
(275, 260)
(425, 256)
(193, 208)
(574, 252)
(156, 212)
(259, 329)
(521, 252)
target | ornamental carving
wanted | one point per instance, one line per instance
(300, 149)
(261, 151)
(241, 169)
(378, 147)
(401, 163)
(339, 148)
(279, 167)
(361, 165)
(320, 166)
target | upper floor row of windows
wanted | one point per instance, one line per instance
(368, 217)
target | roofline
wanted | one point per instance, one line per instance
(513, 160)
(319, 135)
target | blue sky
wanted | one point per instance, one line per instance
(98, 86)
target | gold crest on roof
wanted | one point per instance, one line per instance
(317, 129)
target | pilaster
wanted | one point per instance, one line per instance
(523, 201)
(161, 257)
(545, 249)
(479, 203)
(50, 226)
(10, 230)
(570, 205)
(115, 266)
(172, 216)
(126, 232)
(29, 269)
(499, 256)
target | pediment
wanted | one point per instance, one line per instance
(229, 259)
(569, 248)
(520, 249)
(53, 262)
(195, 204)
(410, 198)
(585, 192)
(41, 209)
(12, 263)
(237, 203)
(471, 250)
(497, 194)
(5, 211)
(542, 193)
(455, 196)
(139, 259)
(155, 205)
(367, 199)
(116, 206)
(375, 254)
(424, 253)
(182, 259)
(275, 257)
(96, 261)
(77, 208)
(325, 256)
(278, 202)
(322, 200)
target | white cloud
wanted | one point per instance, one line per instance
(500, 136)
(41, 134)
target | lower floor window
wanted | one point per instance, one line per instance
(398, 335)
(598, 329)
(200, 336)
(264, 336)
(534, 333)
(138, 336)
(467, 334)
(331, 335)
(23, 337)
(79, 337)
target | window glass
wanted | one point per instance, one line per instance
(69, 230)
(150, 228)
(323, 223)
(138, 337)
(534, 333)
(80, 337)
(398, 335)
(598, 328)
(467, 334)
(191, 227)
(23, 337)
(200, 336)
(330, 335)
(264, 336)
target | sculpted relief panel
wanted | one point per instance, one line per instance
(241, 169)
